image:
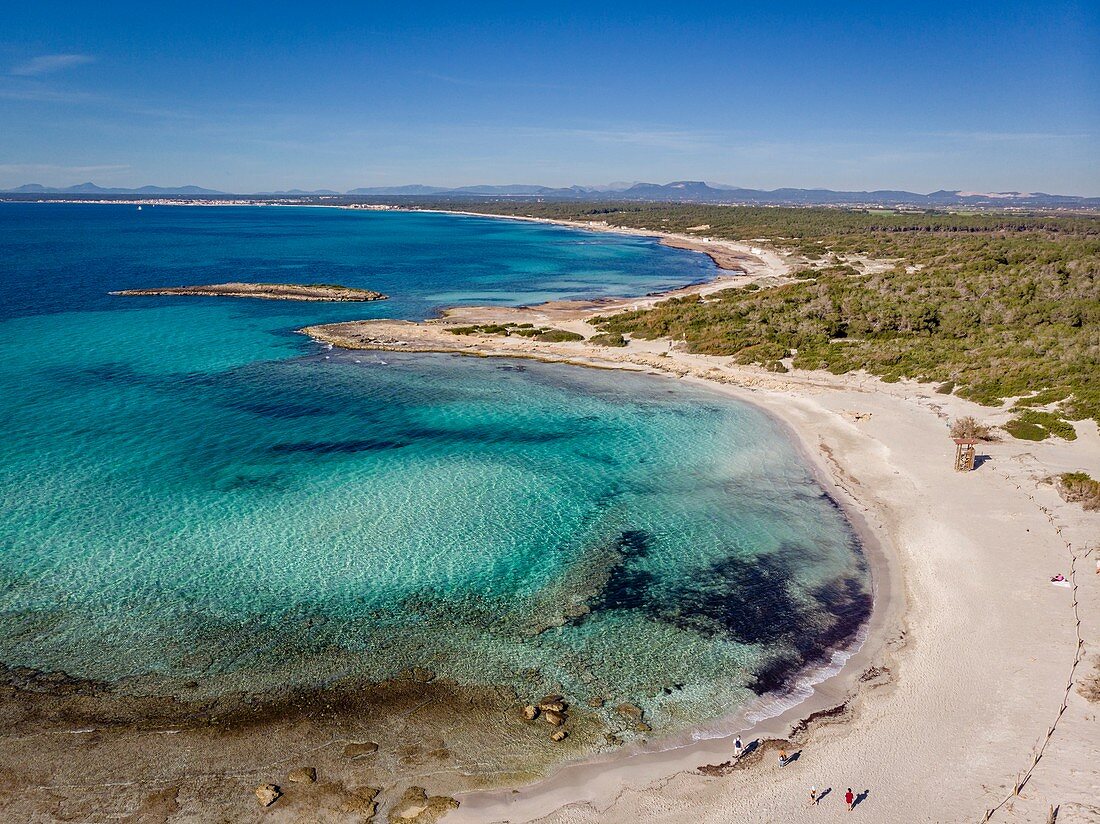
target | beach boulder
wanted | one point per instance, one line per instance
(302, 775)
(558, 735)
(553, 717)
(360, 802)
(360, 748)
(417, 806)
(267, 794)
(530, 712)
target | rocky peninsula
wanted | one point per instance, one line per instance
(264, 291)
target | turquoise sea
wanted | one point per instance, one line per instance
(191, 492)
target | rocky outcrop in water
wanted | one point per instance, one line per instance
(631, 711)
(418, 807)
(264, 291)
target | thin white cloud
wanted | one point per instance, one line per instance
(40, 94)
(33, 90)
(1000, 137)
(49, 63)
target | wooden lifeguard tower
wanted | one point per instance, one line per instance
(964, 454)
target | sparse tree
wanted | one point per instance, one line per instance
(968, 427)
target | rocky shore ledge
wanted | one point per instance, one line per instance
(264, 291)
(355, 750)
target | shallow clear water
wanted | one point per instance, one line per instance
(191, 491)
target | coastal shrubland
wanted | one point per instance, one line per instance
(1037, 426)
(1081, 488)
(486, 329)
(524, 330)
(558, 336)
(995, 317)
(992, 307)
(608, 339)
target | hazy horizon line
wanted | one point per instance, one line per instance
(587, 187)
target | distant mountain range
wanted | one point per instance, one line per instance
(687, 191)
(92, 189)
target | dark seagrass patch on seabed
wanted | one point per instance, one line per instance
(338, 447)
(747, 599)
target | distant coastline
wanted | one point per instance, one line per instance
(678, 191)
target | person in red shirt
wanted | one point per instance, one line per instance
(849, 799)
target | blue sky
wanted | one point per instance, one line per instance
(245, 97)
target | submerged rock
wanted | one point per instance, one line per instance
(302, 775)
(356, 749)
(631, 711)
(267, 794)
(417, 806)
(546, 702)
(360, 801)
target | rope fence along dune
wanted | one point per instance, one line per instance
(1078, 656)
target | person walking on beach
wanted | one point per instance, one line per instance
(849, 799)
(738, 747)
(813, 796)
(782, 758)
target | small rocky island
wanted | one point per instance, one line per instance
(264, 291)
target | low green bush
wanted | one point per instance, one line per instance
(1081, 488)
(1026, 431)
(558, 336)
(1031, 425)
(608, 339)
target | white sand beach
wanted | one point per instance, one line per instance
(975, 663)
